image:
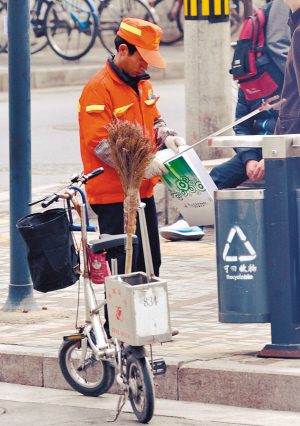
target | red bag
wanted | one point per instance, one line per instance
(99, 267)
(252, 67)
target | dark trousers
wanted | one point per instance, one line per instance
(111, 221)
(230, 174)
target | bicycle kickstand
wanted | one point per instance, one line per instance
(122, 401)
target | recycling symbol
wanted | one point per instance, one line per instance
(243, 258)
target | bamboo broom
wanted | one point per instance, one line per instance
(131, 152)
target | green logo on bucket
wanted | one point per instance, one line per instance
(181, 180)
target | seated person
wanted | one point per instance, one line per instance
(248, 162)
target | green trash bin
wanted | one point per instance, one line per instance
(241, 258)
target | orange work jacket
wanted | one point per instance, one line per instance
(106, 96)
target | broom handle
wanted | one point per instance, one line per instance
(265, 106)
(128, 258)
(145, 241)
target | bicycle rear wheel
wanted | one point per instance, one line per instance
(95, 378)
(170, 15)
(71, 27)
(111, 14)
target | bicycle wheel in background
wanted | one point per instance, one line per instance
(3, 24)
(71, 27)
(37, 28)
(111, 14)
(236, 16)
(169, 15)
(94, 378)
(141, 387)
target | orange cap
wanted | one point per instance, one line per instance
(145, 36)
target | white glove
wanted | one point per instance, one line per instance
(156, 168)
(173, 142)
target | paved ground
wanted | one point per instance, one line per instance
(190, 270)
(52, 407)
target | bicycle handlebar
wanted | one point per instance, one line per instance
(82, 179)
(92, 174)
(50, 200)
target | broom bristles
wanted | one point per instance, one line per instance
(131, 151)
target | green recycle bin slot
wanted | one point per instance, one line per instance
(241, 259)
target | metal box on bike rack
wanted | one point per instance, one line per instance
(138, 310)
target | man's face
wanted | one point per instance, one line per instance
(133, 65)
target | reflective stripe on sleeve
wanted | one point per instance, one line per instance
(94, 108)
(121, 109)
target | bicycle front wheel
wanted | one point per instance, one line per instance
(170, 15)
(71, 27)
(37, 28)
(93, 378)
(111, 14)
(141, 387)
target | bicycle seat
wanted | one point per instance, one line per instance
(107, 241)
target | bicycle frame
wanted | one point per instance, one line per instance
(101, 348)
(88, 359)
(59, 3)
(91, 310)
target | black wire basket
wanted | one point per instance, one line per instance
(52, 257)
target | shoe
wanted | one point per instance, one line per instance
(182, 231)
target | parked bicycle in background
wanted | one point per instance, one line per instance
(69, 26)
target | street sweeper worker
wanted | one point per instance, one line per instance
(123, 90)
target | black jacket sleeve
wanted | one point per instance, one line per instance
(246, 128)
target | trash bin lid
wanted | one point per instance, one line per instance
(239, 194)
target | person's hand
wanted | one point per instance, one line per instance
(156, 168)
(173, 142)
(255, 170)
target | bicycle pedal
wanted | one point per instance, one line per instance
(74, 336)
(158, 367)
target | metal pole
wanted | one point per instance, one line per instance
(282, 179)
(145, 241)
(20, 289)
(208, 96)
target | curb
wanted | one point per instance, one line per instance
(210, 381)
(43, 77)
